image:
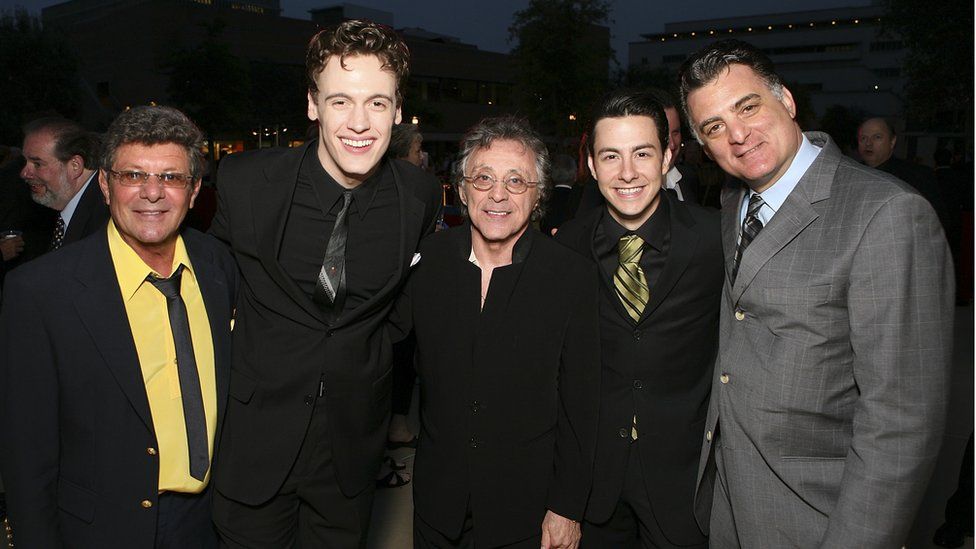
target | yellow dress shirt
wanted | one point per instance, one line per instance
(149, 323)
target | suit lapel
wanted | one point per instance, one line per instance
(684, 242)
(213, 287)
(731, 202)
(270, 205)
(796, 214)
(411, 215)
(98, 303)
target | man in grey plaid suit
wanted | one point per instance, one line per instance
(830, 393)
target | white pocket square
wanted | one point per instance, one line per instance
(415, 260)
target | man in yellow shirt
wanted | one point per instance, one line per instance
(115, 359)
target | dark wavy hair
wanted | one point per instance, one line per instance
(710, 62)
(357, 37)
(620, 103)
(155, 125)
(70, 139)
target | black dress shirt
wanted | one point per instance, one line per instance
(372, 243)
(656, 233)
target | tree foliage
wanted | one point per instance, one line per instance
(210, 84)
(38, 73)
(562, 59)
(939, 64)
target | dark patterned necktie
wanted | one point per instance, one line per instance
(57, 239)
(186, 367)
(629, 280)
(330, 289)
(751, 226)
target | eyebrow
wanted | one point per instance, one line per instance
(735, 107)
(635, 148)
(347, 96)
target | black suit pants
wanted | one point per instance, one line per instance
(183, 521)
(309, 511)
(632, 523)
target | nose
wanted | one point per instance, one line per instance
(498, 192)
(358, 119)
(152, 189)
(738, 133)
(628, 172)
(26, 171)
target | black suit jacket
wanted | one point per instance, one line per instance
(90, 215)
(75, 411)
(283, 345)
(658, 369)
(510, 392)
(562, 206)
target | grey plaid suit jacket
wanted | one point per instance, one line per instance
(830, 393)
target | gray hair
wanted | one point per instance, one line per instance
(708, 63)
(505, 128)
(155, 125)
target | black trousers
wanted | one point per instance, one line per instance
(404, 374)
(426, 537)
(183, 521)
(309, 511)
(632, 523)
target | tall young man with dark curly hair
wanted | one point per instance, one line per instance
(324, 235)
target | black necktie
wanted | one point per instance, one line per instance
(751, 226)
(330, 290)
(186, 367)
(58, 237)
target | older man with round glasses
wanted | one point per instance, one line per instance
(510, 381)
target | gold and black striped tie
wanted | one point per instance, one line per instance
(629, 280)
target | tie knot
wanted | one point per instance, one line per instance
(169, 287)
(629, 248)
(755, 203)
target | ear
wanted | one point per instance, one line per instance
(196, 191)
(399, 115)
(666, 165)
(462, 195)
(788, 102)
(313, 109)
(103, 184)
(76, 164)
(589, 164)
(894, 141)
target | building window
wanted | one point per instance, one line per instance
(887, 45)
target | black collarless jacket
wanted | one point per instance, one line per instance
(510, 392)
(282, 344)
(658, 369)
(78, 459)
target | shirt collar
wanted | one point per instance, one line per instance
(362, 195)
(653, 232)
(69, 210)
(519, 252)
(775, 196)
(131, 270)
(672, 177)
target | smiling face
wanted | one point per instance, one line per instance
(497, 215)
(52, 182)
(875, 142)
(746, 129)
(355, 108)
(148, 216)
(629, 165)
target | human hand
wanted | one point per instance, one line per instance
(11, 247)
(559, 532)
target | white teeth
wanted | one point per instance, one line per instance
(495, 212)
(357, 143)
(631, 190)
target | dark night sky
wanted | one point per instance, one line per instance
(485, 23)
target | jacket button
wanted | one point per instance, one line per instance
(151, 451)
(740, 314)
(708, 435)
(624, 433)
(330, 333)
(475, 406)
(473, 442)
(637, 335)
(146, 504)
(724, 378)
(638, 384)
(308, 400)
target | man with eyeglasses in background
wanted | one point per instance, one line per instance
(116, 359)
